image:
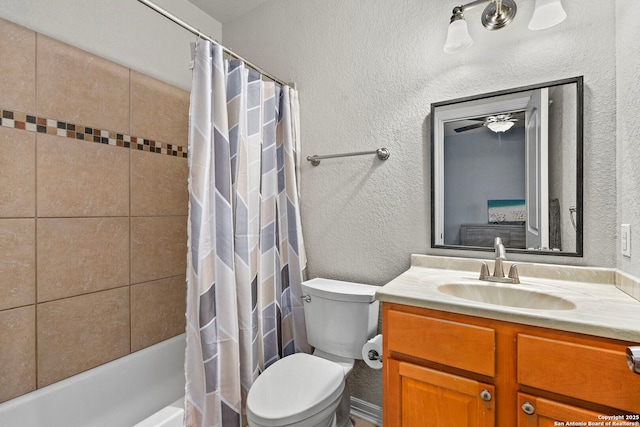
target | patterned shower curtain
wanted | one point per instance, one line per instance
(245, 251)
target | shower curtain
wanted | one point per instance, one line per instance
(246, 256)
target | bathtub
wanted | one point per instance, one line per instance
(169, 416)
(143, 389)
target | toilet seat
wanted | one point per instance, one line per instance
(345, 363)
(293, 389)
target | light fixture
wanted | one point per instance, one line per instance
(458, 37)
(499, 127)
(500, 123)
(498, 14)
(547, 14)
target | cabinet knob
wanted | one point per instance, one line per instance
(528, 408)
(633, 359)
(485, 395)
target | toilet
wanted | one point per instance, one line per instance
(310, 390)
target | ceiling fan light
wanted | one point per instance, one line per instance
(547, 13)
(500, 126)
(458, 37)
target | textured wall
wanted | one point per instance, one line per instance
(367, 73)
(628, 128)
(93, 210)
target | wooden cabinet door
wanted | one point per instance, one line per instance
(432, 398)
(548, 413)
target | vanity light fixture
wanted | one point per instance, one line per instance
(498, 14)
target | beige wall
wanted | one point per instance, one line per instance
(93, 205)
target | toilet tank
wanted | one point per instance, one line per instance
(340, 316)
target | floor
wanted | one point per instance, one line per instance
(357, 422)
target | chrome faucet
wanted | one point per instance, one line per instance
(498, 271)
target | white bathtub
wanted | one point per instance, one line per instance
(143, 389)
(169, 416)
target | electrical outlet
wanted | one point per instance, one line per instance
(625, 239)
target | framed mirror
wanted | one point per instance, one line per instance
(509, 164)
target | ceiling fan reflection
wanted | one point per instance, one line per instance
(498, 123)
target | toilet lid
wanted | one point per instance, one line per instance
(293, 389)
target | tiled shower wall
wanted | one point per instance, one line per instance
(93, 205)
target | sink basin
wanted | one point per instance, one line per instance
(506, 296)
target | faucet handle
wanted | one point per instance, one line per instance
(484, 271)
(513, 274)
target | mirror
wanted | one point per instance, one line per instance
(509, 164)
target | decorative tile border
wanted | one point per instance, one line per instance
(17, 120)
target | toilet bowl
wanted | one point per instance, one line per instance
(299, 390)
(309, 390)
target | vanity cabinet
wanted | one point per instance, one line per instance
(446, 369)
(426, 396)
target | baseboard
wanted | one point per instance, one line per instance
(366, 411)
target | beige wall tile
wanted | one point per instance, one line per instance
(17, 263)
(78, 87)
(77, 178)
(80, 333)
(81, 255)
(84, 241)
(158, 247)
(18, 75)
(158, 184)
(159, 111)
(157, 311)
(17, 171)
(17, 352)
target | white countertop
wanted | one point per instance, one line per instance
(602, 309)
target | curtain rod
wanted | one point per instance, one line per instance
(200, 34)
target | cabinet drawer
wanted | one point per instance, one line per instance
(459, 345)
(584, 372)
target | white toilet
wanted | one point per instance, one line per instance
(309, 390)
